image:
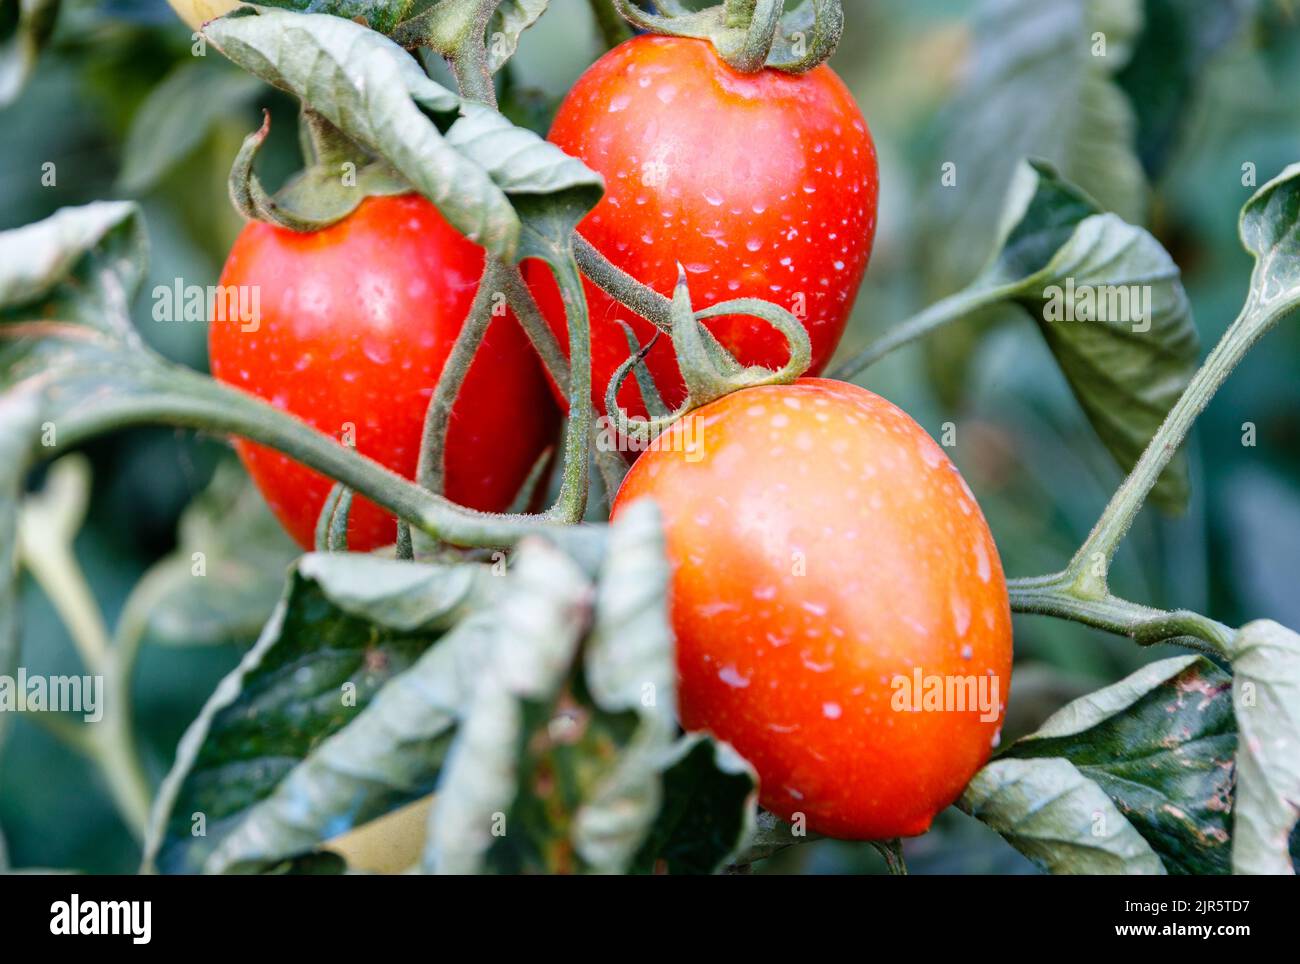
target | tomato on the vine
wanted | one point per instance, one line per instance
(356, 322)
(760, 185)
(828, 558)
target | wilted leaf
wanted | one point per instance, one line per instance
(486, 814)
(370, 89)
(709, 813)
(1160, 744)
(1266, 698)
(1058, 818)
(390, 755)
(80, 264)
(347, 625)
(629, 668)
(1055, 249)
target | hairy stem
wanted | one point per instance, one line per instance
(1054, 596)
(622, 287)
(431, 469)
(191, 400)
(571, 504)
(1091, 563)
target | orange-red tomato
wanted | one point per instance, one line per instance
(356, 324)
(761, 185)
(828, 557)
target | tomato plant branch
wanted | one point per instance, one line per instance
(622, 287)
(571, 503)
(431, 469)
(1089, 567)
(1080, 593)
(191, 400)
(1054, 595)
(520, 297)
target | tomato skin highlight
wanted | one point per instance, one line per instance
(823, 546)
(357, 321)
(761, 185)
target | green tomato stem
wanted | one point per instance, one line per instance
(622, 287)
(1089, 567)
(431, 469)
(191, 400)
(571, 503)
(1055, 596)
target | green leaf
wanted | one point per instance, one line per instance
(347, 625)
(709, 813)
(629, 668)
(390, 755)
(551, 191)
(1160, 744)
(510, 20)
(177, 115)
(1054, 249)
(1270, 231)
(1058, 818)
(375, 93)
(223, 581)
(25, 29)
(81, 264)
(1035, 88)
(1266, 699)
(771, 835)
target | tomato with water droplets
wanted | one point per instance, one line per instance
(760, 185)
(356, 323)
(839, 608)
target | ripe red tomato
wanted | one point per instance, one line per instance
(761, 185)
(356, 323)
(825, 548)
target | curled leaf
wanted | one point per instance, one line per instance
(1266, 700)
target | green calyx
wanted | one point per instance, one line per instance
(338, 176)
(708, 369)
(751, 35)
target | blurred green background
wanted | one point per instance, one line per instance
(1204, 88)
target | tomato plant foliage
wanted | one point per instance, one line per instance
(516, 685)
